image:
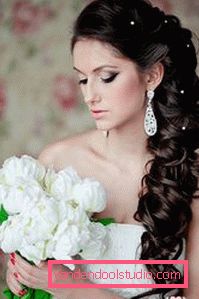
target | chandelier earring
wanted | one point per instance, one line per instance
(150, 122)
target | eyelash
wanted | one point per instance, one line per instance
(108, 80)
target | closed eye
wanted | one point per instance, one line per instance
(110, 79)
(83, 81)
(105, 80)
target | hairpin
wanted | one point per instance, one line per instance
(182, 91)
(184, 127)
(132, 22)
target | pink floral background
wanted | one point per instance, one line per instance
(39, 98)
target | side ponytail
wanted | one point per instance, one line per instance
(165, 209)
(164, 206)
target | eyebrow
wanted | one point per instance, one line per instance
(97, 69)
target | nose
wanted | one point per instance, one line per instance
(91, 95)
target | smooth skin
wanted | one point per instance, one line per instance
(114, 83)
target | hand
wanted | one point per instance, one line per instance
(20, 272)
(11, 277)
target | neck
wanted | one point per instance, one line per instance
(124, 147)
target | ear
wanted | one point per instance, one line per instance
(154, 76)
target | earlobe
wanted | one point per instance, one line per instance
(155, 75)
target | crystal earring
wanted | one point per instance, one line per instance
(150, 123)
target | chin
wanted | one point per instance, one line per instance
(104, 128)
(107, 127)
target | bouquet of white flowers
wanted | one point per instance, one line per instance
(47, 215)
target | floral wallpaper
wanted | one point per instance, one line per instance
(39, 98)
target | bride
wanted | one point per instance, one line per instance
(136, 69)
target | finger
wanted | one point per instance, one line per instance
(11, 263)
(27, 274)
(26, 281)
(23, 263)
(12, 283)
(24, 276)
(23, 267)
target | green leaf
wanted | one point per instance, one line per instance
(31, 294)
(3, 215)
(105, 221)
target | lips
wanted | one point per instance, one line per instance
(98, 114)
(98, 111)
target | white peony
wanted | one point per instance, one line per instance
(90, 195)
(11, 234)
(25, 167)
(73, 214)
(15, 198)
(69, 240)
(98, 239)
(61, 184)
(35, 252)
(40, 220)
(50, 177)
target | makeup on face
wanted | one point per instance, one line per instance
(109, 83)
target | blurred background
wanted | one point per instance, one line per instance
(39, 98)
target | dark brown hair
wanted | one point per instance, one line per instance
(165, 207)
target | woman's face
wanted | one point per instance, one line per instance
(110, 83)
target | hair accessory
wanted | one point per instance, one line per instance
(182, 91)
(165, 21)
(132, 23)
(184, 127)
(188, 45)
(150, 122)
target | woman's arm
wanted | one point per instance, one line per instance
(192, 254)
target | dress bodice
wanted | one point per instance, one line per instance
(124, 243)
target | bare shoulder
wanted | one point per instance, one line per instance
(66, 152)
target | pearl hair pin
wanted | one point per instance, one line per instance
(182, 91)
(184, 127)
(132, 23)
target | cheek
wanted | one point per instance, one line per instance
(129, 95)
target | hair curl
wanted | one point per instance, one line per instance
(164, 205)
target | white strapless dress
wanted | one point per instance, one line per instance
(125, 244)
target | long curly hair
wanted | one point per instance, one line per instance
(146, 35)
